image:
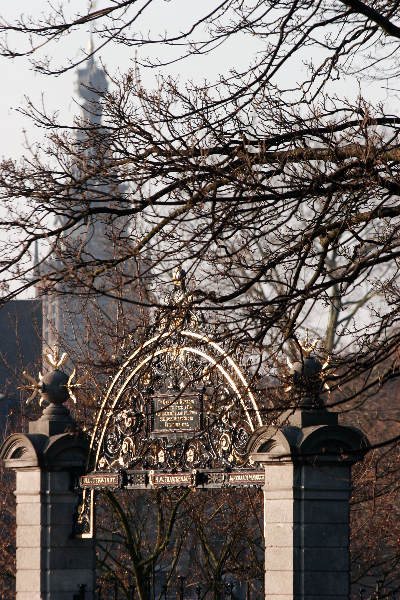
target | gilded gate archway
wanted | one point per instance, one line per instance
(179, 411)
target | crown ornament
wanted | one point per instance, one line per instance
(307, 375)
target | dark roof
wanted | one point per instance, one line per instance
(20, 342)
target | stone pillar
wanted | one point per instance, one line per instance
(51, 563)
(307, 489)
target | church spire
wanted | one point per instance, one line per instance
(90, 47)
(91, 84)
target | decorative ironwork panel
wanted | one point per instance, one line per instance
(137, 480)
(176, 408)
(83, 525)
(178, 412)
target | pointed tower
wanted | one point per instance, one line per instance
(91, 83)
(91, 238)
(73, 312)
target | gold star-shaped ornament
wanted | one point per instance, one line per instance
(56, 361)
(307, 348)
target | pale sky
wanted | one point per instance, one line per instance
(19, 80)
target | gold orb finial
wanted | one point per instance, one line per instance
(178, 277)
(56, 361)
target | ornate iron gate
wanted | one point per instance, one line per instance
(179, 412)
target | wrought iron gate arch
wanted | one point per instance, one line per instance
(232, 446)
(96, 442)
(194, 335)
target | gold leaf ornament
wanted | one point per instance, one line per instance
(35, 386)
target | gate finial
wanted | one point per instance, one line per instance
(55, 387)
(179, 278)
(307, 375)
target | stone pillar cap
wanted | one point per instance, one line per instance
(308, 436)
(58, 452)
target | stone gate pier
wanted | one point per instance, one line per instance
(51, 564)
(307, 457)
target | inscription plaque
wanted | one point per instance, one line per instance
(179, 414)
(172, 479)
(100, 480)
(246, 478)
